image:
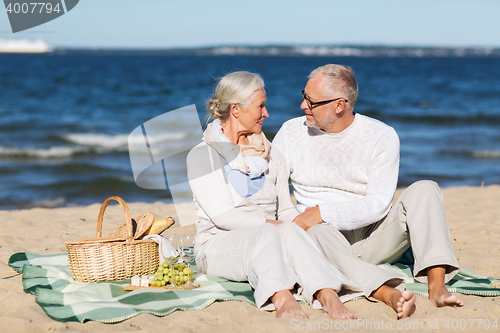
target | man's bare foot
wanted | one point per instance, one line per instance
(402, 302)
(443, 297)
(333, 306)
(286, 306)
(438, 294)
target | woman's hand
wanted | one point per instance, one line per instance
(276, 223)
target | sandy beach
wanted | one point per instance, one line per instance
(474, 221)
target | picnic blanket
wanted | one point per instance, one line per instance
(48, 277)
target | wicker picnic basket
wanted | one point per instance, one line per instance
(115, 258)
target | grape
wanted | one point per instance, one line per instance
(169, 273)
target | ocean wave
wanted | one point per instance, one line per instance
(118, 141)
(85, 143)
(486, 154)
(98, 140)
(91, 186)
(48, 203)
(481, 154)
(42, 153)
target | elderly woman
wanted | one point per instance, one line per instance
(244, 212)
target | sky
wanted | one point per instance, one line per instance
(196, 23)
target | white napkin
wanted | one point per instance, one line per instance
(165, 250)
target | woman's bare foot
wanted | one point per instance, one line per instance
(406, 304)
(286, 306)
(438, 294)
(442, 297)
(333, 306)
(402, 302)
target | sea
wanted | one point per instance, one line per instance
(67, 120)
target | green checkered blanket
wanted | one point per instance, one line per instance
(49, 278)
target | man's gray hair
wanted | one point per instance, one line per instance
(338, 77)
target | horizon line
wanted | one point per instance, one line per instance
(276, 45)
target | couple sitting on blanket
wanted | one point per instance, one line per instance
(344, 169)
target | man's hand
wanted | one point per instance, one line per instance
(309, 218)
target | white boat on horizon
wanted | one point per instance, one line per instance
(24, 46)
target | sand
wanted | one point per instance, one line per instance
(474, 220)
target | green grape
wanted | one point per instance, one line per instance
(177, 273)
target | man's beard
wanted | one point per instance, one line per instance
(323, 126)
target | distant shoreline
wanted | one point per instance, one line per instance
(294, 51)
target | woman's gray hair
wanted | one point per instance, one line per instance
(338, 77)
(236, 87)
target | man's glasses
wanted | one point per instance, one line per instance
(311, 103)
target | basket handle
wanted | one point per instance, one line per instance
(127, 216)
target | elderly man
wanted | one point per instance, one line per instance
(344, 169)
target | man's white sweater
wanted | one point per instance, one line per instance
(351, 176)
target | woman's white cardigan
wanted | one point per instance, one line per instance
(220, 209)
